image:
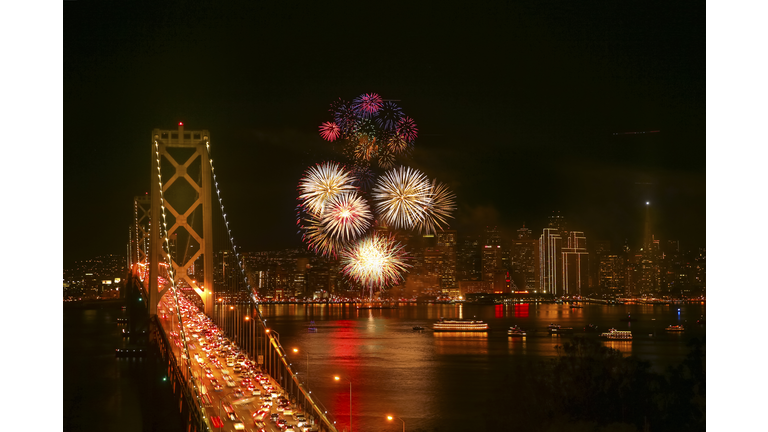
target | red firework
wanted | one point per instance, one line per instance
(367, 104)
(329, 131)
(406, 129)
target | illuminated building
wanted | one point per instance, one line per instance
(575, 265)
(491, 254)
(524, 256)
(550, 262)
(469, 257)
(446, 243)
(611, 274)
(557, 221)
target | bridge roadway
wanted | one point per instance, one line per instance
(227, 394)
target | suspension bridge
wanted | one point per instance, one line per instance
(194, 295)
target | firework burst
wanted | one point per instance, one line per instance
(346, 216)
(329, 131)
(406, 129)
(364, 177)
(321, 183)
(397, 144)
(442, 202)
(402, 194)
(317, 236)
(343, 115)
(375, 261)
(386, 159)
(366, 105)
(388, 116)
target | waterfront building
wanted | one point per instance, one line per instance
(524, 256)
(550, 262)
(575, 265)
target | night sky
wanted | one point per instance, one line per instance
(517, 107)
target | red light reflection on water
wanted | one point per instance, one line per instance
(345, 349)
(521, 310)
(499, 311)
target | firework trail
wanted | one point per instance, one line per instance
(441, 204)
(401, 196)
(329, 131)
(346, 217)
(375, 261)
(321, 183)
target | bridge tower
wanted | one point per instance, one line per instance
(138, 246)
(181, 190)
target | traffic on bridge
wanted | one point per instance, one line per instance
(236, 394)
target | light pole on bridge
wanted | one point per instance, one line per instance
(338, 378)
(390, 418)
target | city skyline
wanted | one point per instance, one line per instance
(549, 129)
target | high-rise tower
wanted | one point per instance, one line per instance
(575, 265)
(550, 262)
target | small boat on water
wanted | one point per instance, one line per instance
(614, 334)
(590, 328)
(700, 320)
(418, 328)
(675, 328)
(459, 325)
(516, 331)
(561, 331)
(553, 326)
(312, 328)
(576, 305)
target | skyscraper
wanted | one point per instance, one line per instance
(491, 254)
(446, 243)
(575, 265)
(550, 262)
(524, 255)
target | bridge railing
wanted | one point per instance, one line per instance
(261, 345)
(198, 421)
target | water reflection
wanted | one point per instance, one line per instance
(625, 346)
(518, 345)
(395, 369)
(450, 343)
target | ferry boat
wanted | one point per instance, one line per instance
(614, 334)
(516, 331)
(675, 328)
(459, 325)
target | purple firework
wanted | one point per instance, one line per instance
(406, 129)
(329, 131)
(388, 116)
(366, 105)
(343, 115)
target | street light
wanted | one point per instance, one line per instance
(390, 418)
(247, 318)
(337, 378)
